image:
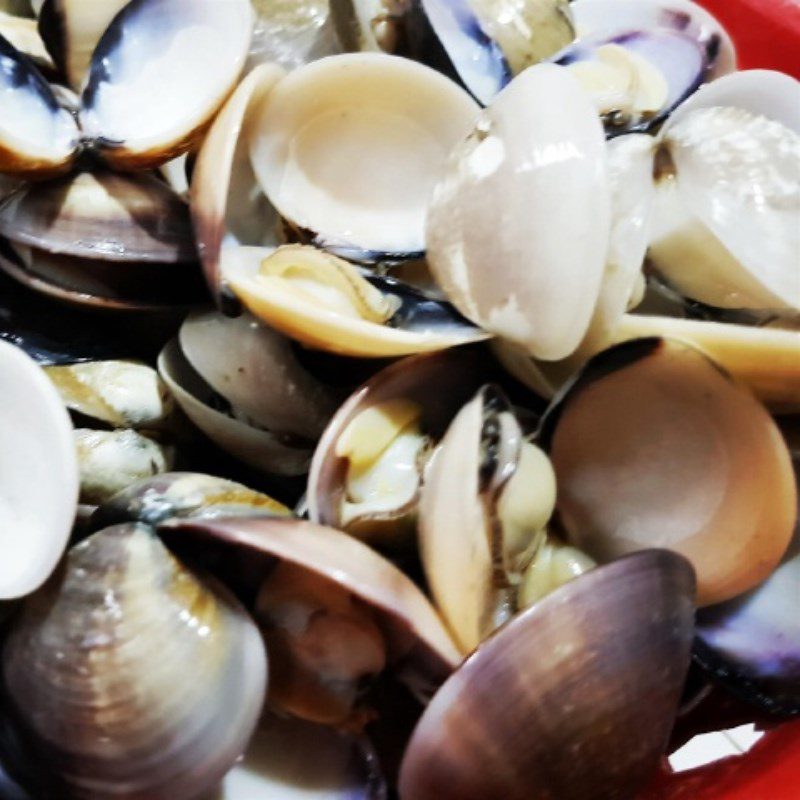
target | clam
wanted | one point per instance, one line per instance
(72, 29)
(228, 206)
(38, 475)
(323, 301)
(728, 201)
(183, 495)
(110, 461)
(486, 501)
(56, 334)
(701, 220)
(151, 53)
(367, 469)
(96, 669)
(374, 214)
(481, 43)
(243, 386)
(348, 148)
(641, 59)
(334, 613)
(653, 445)
(102, 239)
(574, 698)
(120, 394)
(532, 274)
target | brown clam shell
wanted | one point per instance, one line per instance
(420, 649)
(574, 698)
(654, 446)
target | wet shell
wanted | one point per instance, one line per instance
(96, 666)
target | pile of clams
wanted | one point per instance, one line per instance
(401, 399)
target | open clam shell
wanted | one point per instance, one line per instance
(290, 759)
(417, 647)
(262, 449)
(486, 499)
(675, 47)
(349, 148)
(128, 111)
(653, 445)
(728, 201)
(324, 302)
(103, 240)
(391, 505)
(38, 475)
(96, 666)
(573, 698)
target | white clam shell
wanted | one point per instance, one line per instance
(518, 229)
(727, 228)
(350, 147)
(38, 475)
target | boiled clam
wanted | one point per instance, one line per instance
(328, 587)
(96, 668)
(573, 698)
(366, 473)
(102, 239)
(546, 252)
(641, 59)
(39, 137)
(262, 406)
(481, 43)
(38, 475)
(653, 445)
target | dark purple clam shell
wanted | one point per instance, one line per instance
(752, 644)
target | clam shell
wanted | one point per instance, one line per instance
(141, 102)
(290, 759)
(183, 494)
(419, 324)
(258, 373)
(573, 698)
(96, 665)
(37, 136)
(548, 248)
(653, 445)
(733, 206)
(101, 215)
(350, 147)
(227, 206)
(420, 649)
(38, 475)
(456, 375)
(261, 449)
